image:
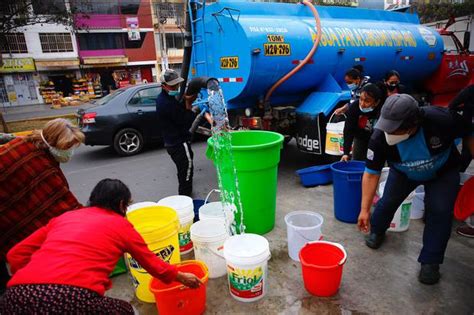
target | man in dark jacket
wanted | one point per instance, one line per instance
(174, 120)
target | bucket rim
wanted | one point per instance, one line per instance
(201, 238)
(289, 215)
(277, 141)
(339, 246)
(312, 169)
(348, 172)
(178, 207)
(203, 279)
(262, 255)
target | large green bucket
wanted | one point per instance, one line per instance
(256, 157)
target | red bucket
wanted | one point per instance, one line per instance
(322, 263)
(176, 299)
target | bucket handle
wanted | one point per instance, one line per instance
(344, 259)
(330, 118)
(210, 193)
(354, 177)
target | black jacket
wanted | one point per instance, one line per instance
(173, 120)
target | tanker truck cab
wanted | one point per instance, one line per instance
(281, 66)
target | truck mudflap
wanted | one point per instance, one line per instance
(309, 135)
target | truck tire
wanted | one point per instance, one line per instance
(128, 141)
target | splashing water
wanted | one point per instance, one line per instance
(224, 159)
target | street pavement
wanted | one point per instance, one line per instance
(38, 111)
(374, 282)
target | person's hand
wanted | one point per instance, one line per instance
(345, 158)
(188, 279)
(363, 222)
(341, 110)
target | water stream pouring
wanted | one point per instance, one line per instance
(224, 159)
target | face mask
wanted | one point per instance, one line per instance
(352, 86)
(392, 87)
(394, 139)
(173, 93)
(366, 110)
(62, 156)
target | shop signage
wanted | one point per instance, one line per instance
(9, 65)
(133, 30)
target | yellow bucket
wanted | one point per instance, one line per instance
(159, 228)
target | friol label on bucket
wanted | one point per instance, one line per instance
(246, 283)
(184, 236)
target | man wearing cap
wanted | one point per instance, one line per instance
(418, 144)
(174, 120)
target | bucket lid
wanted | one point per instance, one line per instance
(246, 249)
(209, 230)
(178, 202)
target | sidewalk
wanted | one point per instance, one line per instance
(38, 111)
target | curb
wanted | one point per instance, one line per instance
(41, 118)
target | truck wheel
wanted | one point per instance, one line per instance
(128, 141)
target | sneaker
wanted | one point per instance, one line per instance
(429, 274)
(374, 241)
(465, 230)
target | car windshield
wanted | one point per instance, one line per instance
(104, 100)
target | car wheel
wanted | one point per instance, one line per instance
(128, 142)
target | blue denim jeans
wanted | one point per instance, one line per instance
(440, 196)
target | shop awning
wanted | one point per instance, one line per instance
(57, 63)
(104, 60)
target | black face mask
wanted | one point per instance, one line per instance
(392, 87)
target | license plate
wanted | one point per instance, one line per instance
(277, 49)
(229, 62)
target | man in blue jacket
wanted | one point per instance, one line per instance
(174, 120)
(418, 144)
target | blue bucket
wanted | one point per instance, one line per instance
(198, 203)
(315, 175)
(347, 180)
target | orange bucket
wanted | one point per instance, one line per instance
(322, 263)
(176, 299)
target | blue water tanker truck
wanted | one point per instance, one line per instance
(281, 66)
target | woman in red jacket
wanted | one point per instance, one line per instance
(64, 267)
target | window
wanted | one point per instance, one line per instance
(99, 41)
(449, 43)
(170, 13)
(48, 6)
(174, 40)
(129, 6)
(134, 43)
(13, 43)
(55, 42)
(146, 97)
(95, 7)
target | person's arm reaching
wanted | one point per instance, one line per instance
(19, 256)
(369, 186)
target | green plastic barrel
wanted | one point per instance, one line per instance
(256, 157)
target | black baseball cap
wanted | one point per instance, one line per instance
(396, 109)
(171, 77)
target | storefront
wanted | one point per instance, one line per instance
(57, 77)
(19, 82)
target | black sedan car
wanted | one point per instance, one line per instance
(124, 119)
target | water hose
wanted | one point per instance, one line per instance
(308, 56)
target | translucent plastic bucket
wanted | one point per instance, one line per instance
(302, 227)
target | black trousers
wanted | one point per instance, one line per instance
(182, 156)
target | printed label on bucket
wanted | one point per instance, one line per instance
(246, 283)
(184, 236)
(164, 253)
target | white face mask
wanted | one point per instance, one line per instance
(394, 139)
(62, 156)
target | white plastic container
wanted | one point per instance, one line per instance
(140, 205)
(208, 239)
(215, 210)
(302, 227)
(464, 177)
(184, 207)
(247, 258)
(418, 204)
(334, 137)
(401, 219)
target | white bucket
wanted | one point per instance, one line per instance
(247, 258)
(215, 210)
(418, 204)
(302, 227)
(335, 137)
(208, 238)
(401, 219)
(184, 207)
(464, 177)
(140, 205)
